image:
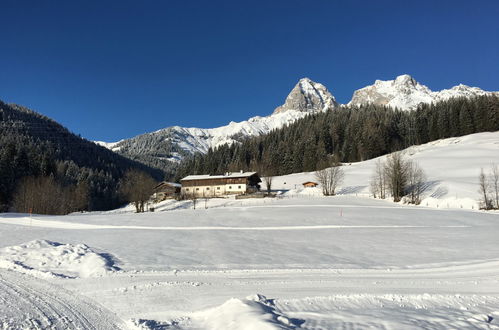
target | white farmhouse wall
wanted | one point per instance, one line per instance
(216, 190)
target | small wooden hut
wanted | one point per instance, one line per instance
(310, 184)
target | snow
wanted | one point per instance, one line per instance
(405, 93)
(253, 312)
(42, 258)
(108, 145)
(192, 139)
(451, 165)
(228, 175)
(300, 261)
(310, 87)
(28, 303)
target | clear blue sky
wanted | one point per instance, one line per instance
(114, 69)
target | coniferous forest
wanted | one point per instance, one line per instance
(39, 156)
(349, 134)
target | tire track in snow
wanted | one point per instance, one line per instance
(35, 304)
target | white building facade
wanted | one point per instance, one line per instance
(238, 183)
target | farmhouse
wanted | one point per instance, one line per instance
(218, 185)
(310, 184)
(166, 190)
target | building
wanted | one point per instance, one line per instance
(218, 185)
(310, 184)
(166, 190)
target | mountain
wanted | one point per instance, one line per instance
(405, 93)
(166, 147)
(351, 134)
(308, 96)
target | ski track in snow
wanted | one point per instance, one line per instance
(455, 296)
(28, 303)
(79, 226)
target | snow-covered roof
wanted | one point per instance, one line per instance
(225, 176)
(173, 184)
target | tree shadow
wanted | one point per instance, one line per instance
(351, 190)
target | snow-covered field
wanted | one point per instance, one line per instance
(343, 262)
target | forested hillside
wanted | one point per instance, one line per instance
(155, 150)
(34, 146)
(351, 134)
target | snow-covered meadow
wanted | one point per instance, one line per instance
(301, 261)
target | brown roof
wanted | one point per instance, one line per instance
(310, 182)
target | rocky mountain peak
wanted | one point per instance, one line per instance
(308, 96)
(405, 80)
(405, 93)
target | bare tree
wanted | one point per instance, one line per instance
(44, 195)
(378, 181)
(416, 179)
(268, 182)
(494, 182)
(484, 190)
(194, 198)
(330, 177)
(206, 197)
(266, 171)
(137, 187)
(81, 197)
(396, 171)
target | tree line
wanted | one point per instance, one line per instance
(349, 134)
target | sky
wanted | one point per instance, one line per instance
(110, 70)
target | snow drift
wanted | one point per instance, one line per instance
(254, 312)
(46, 259)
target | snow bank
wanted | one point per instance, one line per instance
(46, 259)
(254, 312)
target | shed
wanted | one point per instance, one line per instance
(310, 184)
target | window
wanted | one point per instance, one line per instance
(187, 189)
(239, 187)
(197, 188)
(230, 187)
(207, 188)
(218, 188)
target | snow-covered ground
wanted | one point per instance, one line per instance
(451, 165)
(303, 261)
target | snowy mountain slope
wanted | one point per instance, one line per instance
(173, 143)
(108, 145)
(451, 165)
(405, 93)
